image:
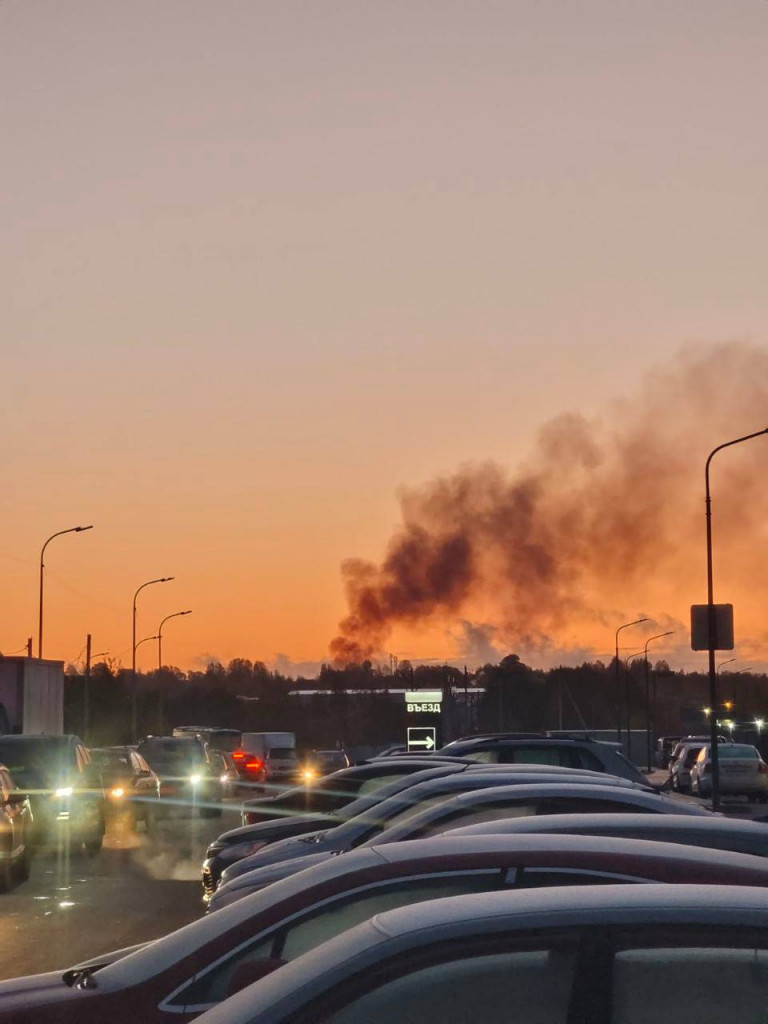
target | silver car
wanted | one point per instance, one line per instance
(680, 766)
(742, 771)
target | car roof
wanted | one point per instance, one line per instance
(457, 918)
(605, 823)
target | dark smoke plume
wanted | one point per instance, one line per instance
(605, 518)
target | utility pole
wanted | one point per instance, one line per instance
(87, 691)
(29, 647)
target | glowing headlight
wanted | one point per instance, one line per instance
(118, 792)
(224, 779)
(308, 774)
(195, 779)
(63, 792)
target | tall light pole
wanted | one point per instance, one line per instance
(160, 635)
(72, 529)
(618, 678)
(134, 645)
(648, 696)
(712, 621)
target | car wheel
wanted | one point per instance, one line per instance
(6, 874)
(24, 866)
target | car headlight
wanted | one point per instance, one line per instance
(117, 792)
(308, 774)
(195, 779)
(224, 779)
(63, 792)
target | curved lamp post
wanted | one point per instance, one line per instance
(618, 676)
(160, 635)
(648, 696)
(72, 529)
(134, 645)
(712, 620)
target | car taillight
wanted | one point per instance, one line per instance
(763, 768)
(254, 765)
(239, 755)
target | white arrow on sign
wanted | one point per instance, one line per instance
(428, 743)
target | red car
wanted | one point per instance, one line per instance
(176, 978)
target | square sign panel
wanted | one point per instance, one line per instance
(723, 631)
(422, 737)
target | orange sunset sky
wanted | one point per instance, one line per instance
(267, 264)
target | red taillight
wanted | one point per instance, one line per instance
(239, 755)
(254, 765)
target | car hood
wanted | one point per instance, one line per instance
(268, 830)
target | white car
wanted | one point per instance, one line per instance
(637, 954)
(742, 771)
(680, 766)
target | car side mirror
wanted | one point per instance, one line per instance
(250, 971)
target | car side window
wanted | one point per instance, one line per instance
(584, 805)
(549, 754)
(325, 922)
(487, 812)
(483, 756)
(497, 988)
(708, 985)
(380, 780)
(586, 759)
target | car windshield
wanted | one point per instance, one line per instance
(169, 753)
(38, 762)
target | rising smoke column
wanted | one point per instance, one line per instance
(605, 513)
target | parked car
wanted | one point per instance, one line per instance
(742, 771)
(714, 832)
(318, 763)
(177, 977)
(569, 753)
(664, 747)
(332, 793)
(680, 766)
(239, 843)
(188, 783)
(132, 789)
(65, 789)
(629, 953)
(504, 801)
(15, 832)
(530, 797)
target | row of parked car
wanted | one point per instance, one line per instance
(743, 772)
(503, 878)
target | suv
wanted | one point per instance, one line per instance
(568, 753)
(65, 789)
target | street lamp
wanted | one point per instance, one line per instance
(134, 645)
(727, 662)
(160, 692)
(648, 695)
(712, 619)
(72, 529)
(160, 635)
(145, 640)
(618, 677)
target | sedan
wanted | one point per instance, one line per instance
(180, 976)
(742, 771)
(526, 797)
(132, 788)
(599, 954)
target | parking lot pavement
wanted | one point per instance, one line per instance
(141, 886)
